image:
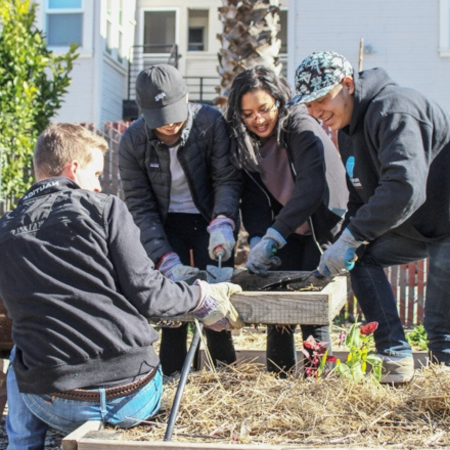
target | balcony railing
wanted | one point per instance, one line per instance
(201, 89)
(143, 56)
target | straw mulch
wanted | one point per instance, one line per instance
(245, 404)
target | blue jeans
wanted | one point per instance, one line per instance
(30, 415)
(187, 232)
(376, 298)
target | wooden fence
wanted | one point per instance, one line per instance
(408, 281)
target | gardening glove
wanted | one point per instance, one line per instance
(214, 308)
(261, 257)
(341, 256)
(254, 241)
(170, 266)
(221, 238)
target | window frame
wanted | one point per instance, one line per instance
(86, 50)
(113, 30)
(55, 11)
(159, 9)
(199, 18)
(199, 43)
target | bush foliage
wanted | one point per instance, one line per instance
(32, 83)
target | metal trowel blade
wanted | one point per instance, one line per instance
(218, 275)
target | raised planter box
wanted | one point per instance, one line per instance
(90, 436)
(317, 303)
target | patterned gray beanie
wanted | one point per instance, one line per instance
(318, 74)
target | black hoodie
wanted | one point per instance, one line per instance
(397, 154)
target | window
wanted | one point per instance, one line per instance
(198, 29)
(64, 22)
(444, 32)
(159, 31)
(195, 39)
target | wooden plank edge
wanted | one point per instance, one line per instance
(70, 442)
(91, 444)
(86, 444)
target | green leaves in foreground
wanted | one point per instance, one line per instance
(359, 342)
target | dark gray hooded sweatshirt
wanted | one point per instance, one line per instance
(396, 151)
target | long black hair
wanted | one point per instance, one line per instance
(245, 144)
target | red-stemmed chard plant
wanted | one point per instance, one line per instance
(359, 342)
(316, 357)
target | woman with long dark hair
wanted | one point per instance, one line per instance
(294, 195)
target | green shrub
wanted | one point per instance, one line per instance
(32, 83)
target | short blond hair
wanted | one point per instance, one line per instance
(61, 143)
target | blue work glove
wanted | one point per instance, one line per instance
(170, 266)
(261, 257)
(221, 238)
(341, 256)
(214, 308)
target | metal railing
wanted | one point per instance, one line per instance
(203, 89)
(142, 56)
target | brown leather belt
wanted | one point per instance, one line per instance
(84, 395)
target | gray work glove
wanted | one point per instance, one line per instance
(341, 256)
(261, 257)
(221, 238)
(214, 308)
(170, 266)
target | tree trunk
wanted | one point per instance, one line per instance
(249, 38)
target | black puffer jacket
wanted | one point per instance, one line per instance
(144, 164)
(397, 154)
(320, 185)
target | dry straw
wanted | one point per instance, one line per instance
(252, 406)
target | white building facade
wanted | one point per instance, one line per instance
(410, 39)
(193, 27)
(104, 31)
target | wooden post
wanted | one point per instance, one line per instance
(361, 54)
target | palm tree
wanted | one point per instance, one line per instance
(249, 38)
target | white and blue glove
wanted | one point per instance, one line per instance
(261, 257)
(341, 256)
(221, 238)
(170, 266)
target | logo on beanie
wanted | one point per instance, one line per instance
(160, 96)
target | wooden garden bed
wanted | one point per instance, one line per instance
(316, 302)
(243, 408)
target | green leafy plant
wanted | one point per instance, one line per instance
(32, 83)
(417, 337)
(359, 342)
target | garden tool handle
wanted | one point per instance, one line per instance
(183, 379)
(219, 251)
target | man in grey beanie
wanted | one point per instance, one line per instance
(182, 191)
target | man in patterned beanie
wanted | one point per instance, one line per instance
(395, 145)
